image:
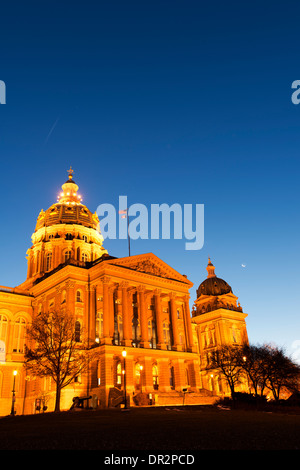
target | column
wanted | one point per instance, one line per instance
(174, 321)
(127, 330)
(106, 311)
(111, 307)
(190, 342)
(143, 317)
(92, 314)
(42, 259)
(158, 315)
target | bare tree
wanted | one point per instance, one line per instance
(282, 372)
(227, 360)
(267, 366)
(253, 360)
(56, 350)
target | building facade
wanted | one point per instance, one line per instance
(137, 303)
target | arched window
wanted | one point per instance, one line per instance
(48, 261)
(235, 335)
(77, 331)
(99, 326)
(3, 327)
(84, 257)
(137, 374)
(155, 376)
(67, 255)
(19, 335)
(136, 335)
(152, 333)
(166, 333)
(120, 328)
(78, 296)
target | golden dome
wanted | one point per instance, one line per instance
(66, 233)
(68, 209)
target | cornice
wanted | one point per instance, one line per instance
(220, 313)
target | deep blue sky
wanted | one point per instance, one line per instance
(162, 101)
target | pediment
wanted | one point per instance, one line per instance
(152, 265)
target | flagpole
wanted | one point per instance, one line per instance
(128, 233)
(124, 215)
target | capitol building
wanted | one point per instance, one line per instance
(137, 303)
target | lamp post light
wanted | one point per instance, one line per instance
(141, 373)
(13, 395)
(124, 353)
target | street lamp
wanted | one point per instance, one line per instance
(13, 395)
(124, 353)
(141, 370)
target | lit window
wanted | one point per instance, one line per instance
(137, 374)
(19, 335)
(99, 325)
(67, 255)
(155, 376)
(152, 333)
(77, 331)
(78, 296)
(166, 333)
(3, 327)
(119, 373)
(120, 328)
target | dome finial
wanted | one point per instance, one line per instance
(70, 171)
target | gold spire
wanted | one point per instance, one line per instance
(210, 269)
(70, 171)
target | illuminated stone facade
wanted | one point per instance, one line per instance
(137, 303)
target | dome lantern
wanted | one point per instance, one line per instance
(69, 194)
(210, 269)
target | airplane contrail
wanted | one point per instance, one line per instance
(51, 130)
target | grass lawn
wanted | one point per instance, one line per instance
(153, 429)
